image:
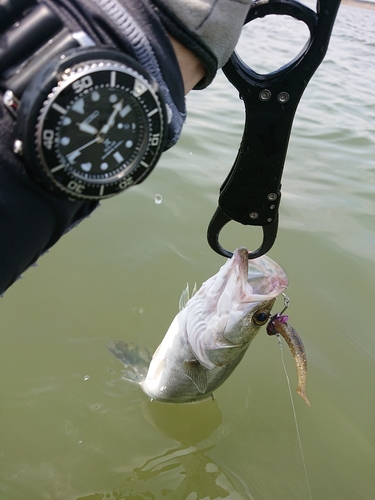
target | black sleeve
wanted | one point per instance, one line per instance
(32, 219)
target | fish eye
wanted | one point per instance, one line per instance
(261, 317)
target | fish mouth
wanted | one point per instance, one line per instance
(241, 257)
(261, 278)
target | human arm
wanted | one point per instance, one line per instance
(192, 69)
(32, 218)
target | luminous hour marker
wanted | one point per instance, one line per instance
(128, 144)
(56, 169)
(66, 121)
(64, 141)
(125, 110)
(86, 166)
(95, 96)
(79, 106)
(113, 79)
(59, 108)
(118, 157)
(151, 113)
(104, 166)
(138, 88)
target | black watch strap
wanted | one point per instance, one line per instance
(25, 47)
(10, 11)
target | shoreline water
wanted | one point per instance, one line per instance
(359, 3)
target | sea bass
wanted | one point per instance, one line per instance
(211, 333)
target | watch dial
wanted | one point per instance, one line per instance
(100, 131)
(101, 134)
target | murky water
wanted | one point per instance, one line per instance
(72, 429)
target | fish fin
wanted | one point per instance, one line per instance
(185, 296)
(184, 299)
(135, 362)
(196, 373)
(225, 354)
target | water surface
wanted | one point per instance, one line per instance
(71, 428)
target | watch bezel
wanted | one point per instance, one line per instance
(37, 111)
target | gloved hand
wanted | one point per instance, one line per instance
(209, 28)
(32, 218)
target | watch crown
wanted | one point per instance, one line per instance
(11, 102)
(18, 147)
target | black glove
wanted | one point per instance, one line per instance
(209, 28)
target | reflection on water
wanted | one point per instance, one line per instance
(178, 473)
(188, 424)
(185, 471)
(175, 474)
(71, 427)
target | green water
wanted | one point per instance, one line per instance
(70, 426)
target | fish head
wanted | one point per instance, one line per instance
(230, 307)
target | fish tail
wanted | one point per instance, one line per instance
(302, 392)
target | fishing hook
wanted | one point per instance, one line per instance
(286, 303)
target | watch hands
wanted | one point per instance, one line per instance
(90, 129)
(74, 154)
(86, 127)
(117, 108)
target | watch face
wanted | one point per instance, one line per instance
(100, 131)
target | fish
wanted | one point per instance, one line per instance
(278, 324)
(211, 333)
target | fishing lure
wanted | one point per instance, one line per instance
(278, 325)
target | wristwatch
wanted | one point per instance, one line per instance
(90, 121)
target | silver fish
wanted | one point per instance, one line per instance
(210, 335)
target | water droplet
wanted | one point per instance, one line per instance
(80, 441)
(86, 377)
(158, 199)
(138, 310)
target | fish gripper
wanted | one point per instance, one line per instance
(251, 192)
